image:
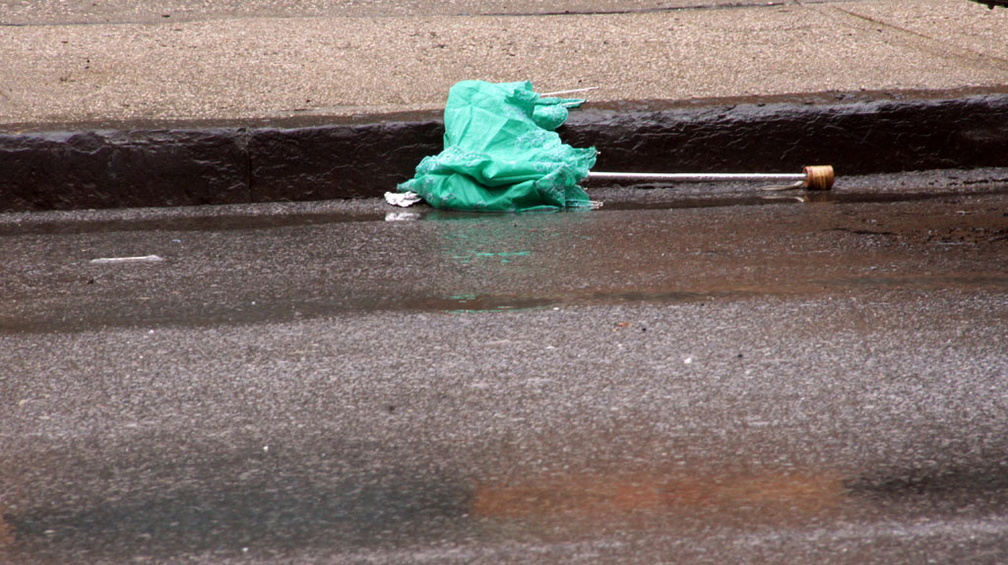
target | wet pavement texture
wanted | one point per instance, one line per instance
(706, 375)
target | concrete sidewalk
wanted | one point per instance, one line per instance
(190, 62)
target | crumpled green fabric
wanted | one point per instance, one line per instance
(501, 153)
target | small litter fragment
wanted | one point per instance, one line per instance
(401, 216)
(137, 259)
(402, 199)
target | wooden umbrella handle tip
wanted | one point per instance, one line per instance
(819, 177)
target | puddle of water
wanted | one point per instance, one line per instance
(481, 263)
(172, 220)
(690, 196)
(155, 314)
(265, 216)
(502, 257)
(980, 281)
(478, 303)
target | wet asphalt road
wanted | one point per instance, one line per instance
(673, 378)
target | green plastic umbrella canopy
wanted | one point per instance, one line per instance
(501, 153)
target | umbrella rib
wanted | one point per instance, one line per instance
(572, 91)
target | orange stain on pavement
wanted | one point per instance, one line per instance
(593, 495)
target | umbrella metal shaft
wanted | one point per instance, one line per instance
(699, 177)
(814, 177)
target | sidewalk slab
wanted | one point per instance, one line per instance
(262, 67)
(954, 26)
(40, 12)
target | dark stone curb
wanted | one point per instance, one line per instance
(228, 165)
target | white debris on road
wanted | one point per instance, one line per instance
(402, 199)
(136, 259)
